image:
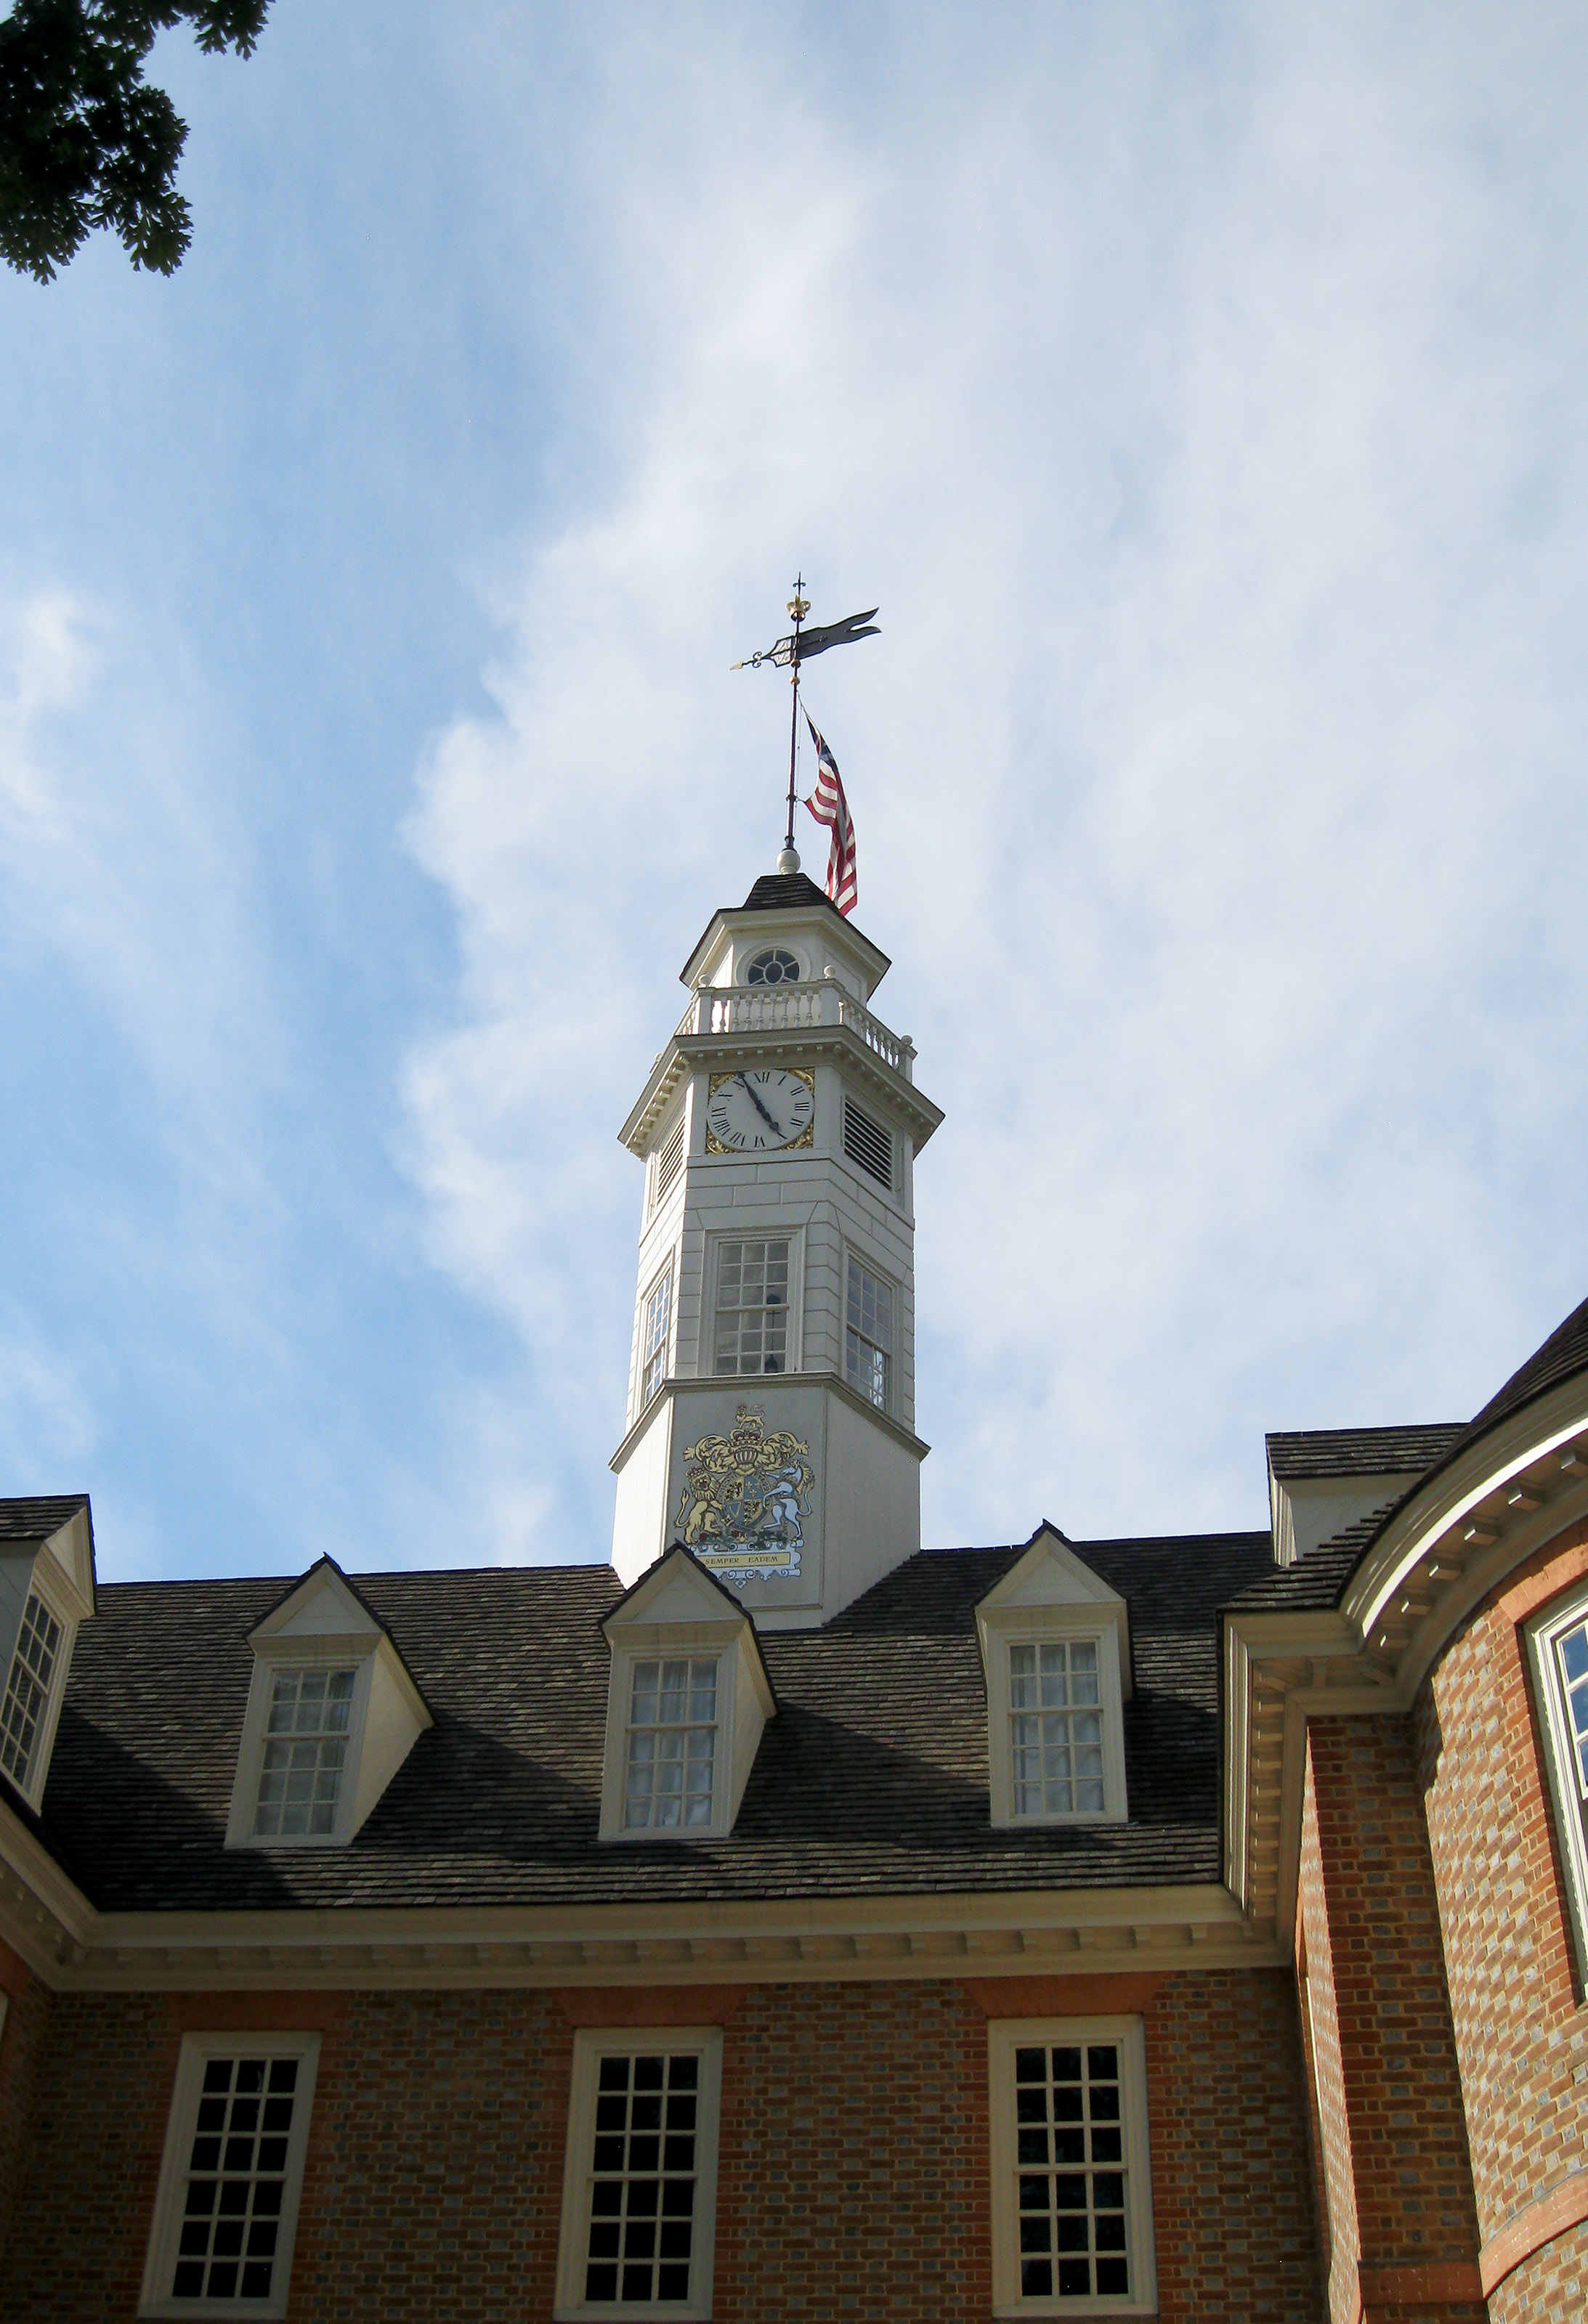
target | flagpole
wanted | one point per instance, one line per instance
(798, 608)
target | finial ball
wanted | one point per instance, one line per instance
(789, 861)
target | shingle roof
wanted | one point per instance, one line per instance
(27, 1521)
(1297, 1453)
(787, 891)
(1317, 1580)
(1565, 1352)
(872, 1779)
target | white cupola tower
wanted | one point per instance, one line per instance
(771, 1385)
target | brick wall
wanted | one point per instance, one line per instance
(854, 2180)
(1521, 2035)
(1341, 2236)
(1390, 2097)
(23, 2040)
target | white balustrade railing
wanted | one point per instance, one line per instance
(788, 1008)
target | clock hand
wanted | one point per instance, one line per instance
(756, 1102)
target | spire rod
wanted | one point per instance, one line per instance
(788, 653)
(799, 606)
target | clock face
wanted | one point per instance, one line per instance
(759, 1112)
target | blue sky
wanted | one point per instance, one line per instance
(1199, 391)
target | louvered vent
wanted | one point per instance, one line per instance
(671, 1159)
(866, 1141)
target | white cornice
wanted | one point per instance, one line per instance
(799, 1044)
(1506, 1495)
(1020, 1933)
(1458, 1493)
(833, 1382)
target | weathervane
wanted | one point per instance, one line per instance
(800, 646)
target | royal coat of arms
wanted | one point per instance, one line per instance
(745, 1497)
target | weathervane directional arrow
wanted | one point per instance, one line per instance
(802, 645)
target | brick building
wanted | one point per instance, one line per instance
(783, 1921)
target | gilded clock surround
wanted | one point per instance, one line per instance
(807, 1136)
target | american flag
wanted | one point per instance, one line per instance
(829, 805)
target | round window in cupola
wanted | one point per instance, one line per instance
(775, 966)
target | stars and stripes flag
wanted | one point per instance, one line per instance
(829, 805)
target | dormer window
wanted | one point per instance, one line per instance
(331, 1715)
(1055, 1641)
(686, 1704)
(1056, 1728)
(672, 1745)
(305, 1753)
(774, 967)
(46, 1590)
(27, 1690)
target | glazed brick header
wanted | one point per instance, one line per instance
(853, 2174)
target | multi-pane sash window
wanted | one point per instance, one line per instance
(1056, 1728)
(1572, 1650)
(1070, 2161)
(658, 1312)
(868, 1339)
(305, 1753)
(638, 2190)
(642, 2232)
(27, 1690)
(223, 2231)
(672, 1745)
(753, 1307)
(236, 2178)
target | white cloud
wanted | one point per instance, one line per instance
(1202, 423)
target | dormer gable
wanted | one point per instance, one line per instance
(46, 1590)
(1055, 1650)
(333, 1712)
(687, 1700)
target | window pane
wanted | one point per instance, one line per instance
(752, 1307)
(641, 2244)
(227, 2241)
(305, 1753)
(27, 1690)
(1054, 1730)
(1073, 2210)
(868, 1336)
(653, 1349)
(672, 1745)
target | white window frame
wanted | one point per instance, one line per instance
(197, 2051)
(1568, 1792)
(53, 1602)
(1004, 2037)
(796, 952)
(890, 1402)
(1038, 1626)
(793, 1354)
(589, 2048)
(687, 1726)
(666, 1276)
(300, 1651)
(682, 1641)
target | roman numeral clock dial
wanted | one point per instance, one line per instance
(760, 1112)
